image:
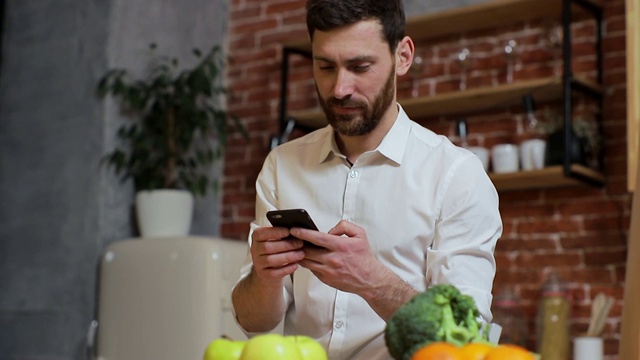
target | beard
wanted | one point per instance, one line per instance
(367, 119)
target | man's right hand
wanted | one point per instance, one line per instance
(258, 298)
(275, 253)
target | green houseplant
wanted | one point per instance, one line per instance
(176, 126)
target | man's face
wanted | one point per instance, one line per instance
(355, 76)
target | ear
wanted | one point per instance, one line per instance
(404, 55)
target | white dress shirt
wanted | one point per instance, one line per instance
(429, 210)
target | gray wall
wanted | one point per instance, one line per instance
(59, 209)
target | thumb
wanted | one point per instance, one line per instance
(346, 227)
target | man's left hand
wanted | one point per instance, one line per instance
(345, 261)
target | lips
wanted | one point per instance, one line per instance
(346, 110)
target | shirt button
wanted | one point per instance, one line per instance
(339, 324)
(353, 174)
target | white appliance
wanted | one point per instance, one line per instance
(165, 298)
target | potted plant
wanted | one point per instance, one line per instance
(586, 140)
(176, 129)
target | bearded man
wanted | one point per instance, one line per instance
(398, 208)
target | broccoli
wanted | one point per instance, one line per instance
(440, 313)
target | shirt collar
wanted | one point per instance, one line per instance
(393, 144)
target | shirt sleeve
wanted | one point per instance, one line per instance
(467, 230)
(266, 200)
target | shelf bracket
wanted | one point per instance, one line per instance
(286, 124)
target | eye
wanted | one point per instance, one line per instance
(360, 68)
(325, 67)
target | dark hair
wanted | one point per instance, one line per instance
(325, 15)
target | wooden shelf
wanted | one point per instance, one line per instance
(482, 99)
(549, 177)
(490, 15)
(486, 15)
(472, 100)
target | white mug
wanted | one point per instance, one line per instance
(504, 158)
(532, 154)
(588, 348)
(482, 154)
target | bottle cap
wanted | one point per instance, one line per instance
(507, 298)
(554, 286)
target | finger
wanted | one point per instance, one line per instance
(277, 246)
(277, 260)
(268, 233)
(345, 227)
(278, 273)
(311, 237)
(310, 264)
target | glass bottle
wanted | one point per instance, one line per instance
(508, 313)
(482, 153)
(553, 320)
(462, 132)
(532, 144)
(531, 127)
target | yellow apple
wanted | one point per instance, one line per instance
(309, 348)
(224, 349)
(270, 347)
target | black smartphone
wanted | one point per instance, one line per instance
(290, 218)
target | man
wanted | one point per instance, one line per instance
(398, 207)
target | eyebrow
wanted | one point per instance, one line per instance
(357, 59)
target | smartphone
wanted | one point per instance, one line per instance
(291, 218)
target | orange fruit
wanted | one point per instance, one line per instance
(438, 351)
(476, 351)
(509, 352)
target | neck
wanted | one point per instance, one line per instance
(354, 146)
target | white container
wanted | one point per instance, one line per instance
(482, 154)
(588, 348)
(532, 154)
(505, 158)
(162, 213)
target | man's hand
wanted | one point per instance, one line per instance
(275, 253)
(348, 263)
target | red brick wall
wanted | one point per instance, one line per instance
(578, 232)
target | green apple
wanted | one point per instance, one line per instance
(270, 347)
(309, 348)
(224, 349)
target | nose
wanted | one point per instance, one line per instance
(344, 84)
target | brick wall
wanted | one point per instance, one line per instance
(579, 232)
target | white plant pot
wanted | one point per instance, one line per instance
(163, 213)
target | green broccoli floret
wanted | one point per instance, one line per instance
(440, 313)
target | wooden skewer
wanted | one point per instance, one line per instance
(604, 313)
(596, 308)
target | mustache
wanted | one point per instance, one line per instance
(345, 102)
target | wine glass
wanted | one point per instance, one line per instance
(553, 42)
(463, 60)
(511, 53)
(416, 69)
